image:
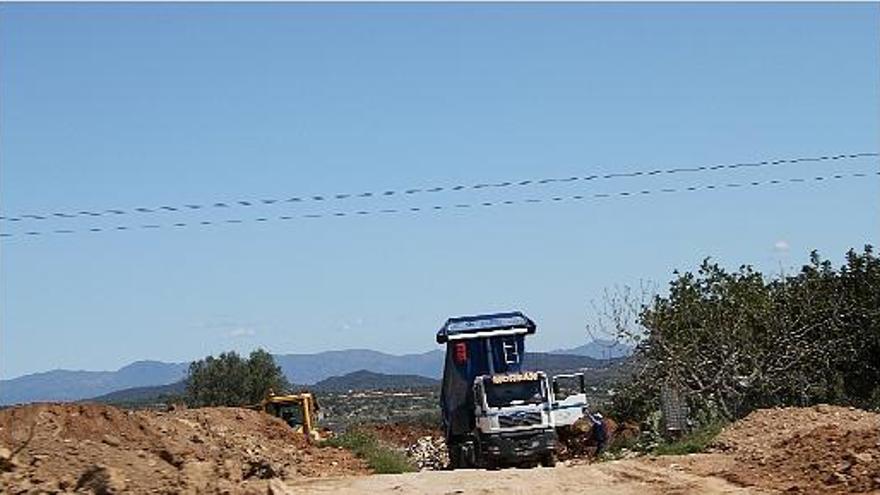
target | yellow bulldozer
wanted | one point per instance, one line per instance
(300, 411)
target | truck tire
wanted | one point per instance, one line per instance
(455, 457)
(462, 456)
(549, 459)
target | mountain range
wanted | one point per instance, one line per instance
(306, 369)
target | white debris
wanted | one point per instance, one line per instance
(429, 453)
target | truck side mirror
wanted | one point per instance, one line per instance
(555, 388)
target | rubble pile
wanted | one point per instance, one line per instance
(429, 453)
(51, 448)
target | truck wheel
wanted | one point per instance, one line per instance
(462, 456)
(549, 460)
(469, 456)
(455, 457)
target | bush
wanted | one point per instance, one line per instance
(381, 458)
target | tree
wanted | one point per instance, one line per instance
(230, 380)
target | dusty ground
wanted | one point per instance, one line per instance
(97, 448)
(618, 477)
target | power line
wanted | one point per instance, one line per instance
(241, 203)
(456, 206)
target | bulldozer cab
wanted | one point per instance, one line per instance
(290, 412)
(300, 411)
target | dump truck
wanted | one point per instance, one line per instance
(495, 413)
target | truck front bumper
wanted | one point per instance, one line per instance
(520, 446)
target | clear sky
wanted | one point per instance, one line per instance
(122, 106)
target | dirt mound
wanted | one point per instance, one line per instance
(819, 449)
(98, 448)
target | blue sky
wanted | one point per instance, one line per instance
(121, 106)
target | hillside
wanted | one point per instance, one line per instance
(142, 395)
(368, 380)
(67, 385)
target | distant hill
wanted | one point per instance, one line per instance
(312, 368)
(368, 380)
(142, 395)
(67, 385)
(599, 349)
(307, 369)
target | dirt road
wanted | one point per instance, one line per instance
(641, 476)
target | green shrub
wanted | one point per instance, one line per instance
(381, 458)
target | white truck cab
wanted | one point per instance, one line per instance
(570, 402)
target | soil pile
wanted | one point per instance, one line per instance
(51, 448)
(824, 448)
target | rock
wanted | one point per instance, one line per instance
(259, 468)
(101, 480)
(277, 487)
(112, 441)
(7, 462)
(65, 484)
(170, 457)
(822, 408)
(838, 478)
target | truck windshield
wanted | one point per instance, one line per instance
(512, 394)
